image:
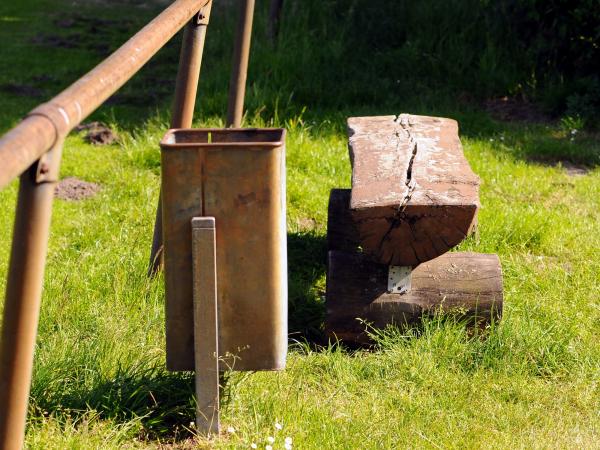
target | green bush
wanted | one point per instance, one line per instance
(545, 50)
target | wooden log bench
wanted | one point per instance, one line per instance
(413, 198)
(463, 283)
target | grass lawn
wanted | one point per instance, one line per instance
(99, 377)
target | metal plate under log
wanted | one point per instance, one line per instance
(399, 279)
(238, 177)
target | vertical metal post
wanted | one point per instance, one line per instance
(237, 82)
(206, 345)
(23, 295)
(188, 74)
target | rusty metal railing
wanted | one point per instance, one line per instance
(32, 151)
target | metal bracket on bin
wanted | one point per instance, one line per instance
(206, 345)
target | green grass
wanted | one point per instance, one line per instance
(99, 380)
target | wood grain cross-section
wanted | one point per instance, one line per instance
(410, 205)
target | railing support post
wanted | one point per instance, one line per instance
(237, 83)
(23, 295)
(188, 74)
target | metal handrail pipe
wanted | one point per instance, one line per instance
(52, 121)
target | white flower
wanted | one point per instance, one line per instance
(288, 440)
(192, 424)
(270, 439)
(491, 140)
(268, 447)
(287, 446)
(230, 430)
(253, 445)
(278, 426)
(574, 131)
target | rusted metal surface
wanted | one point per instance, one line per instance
(188, 74)
(239, 71)
(29, 140)
(32, 150)
(238, 177)
(206, 345)
(23, 295)
(190, 61)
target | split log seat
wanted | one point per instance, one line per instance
(414, 195)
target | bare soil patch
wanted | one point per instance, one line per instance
(21, 89)
(572, 169)
(72, 188)
(512, 109)
(307, 223)
(98, 133)
(56, 41)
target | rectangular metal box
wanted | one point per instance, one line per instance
(238, 177)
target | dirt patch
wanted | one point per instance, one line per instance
(72, 188)
(186, 444)
(56, 41)
(21, 89)
(98, 133)
(511, 109)
(307, 224)
(64, 22)
(572, 169)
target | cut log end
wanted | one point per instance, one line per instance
(418, 235)
(413, 196)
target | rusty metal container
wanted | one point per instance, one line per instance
(238, 177)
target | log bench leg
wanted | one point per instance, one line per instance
(465, 283)
(205, 325)
(358, 288)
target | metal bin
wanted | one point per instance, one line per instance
(236, 176)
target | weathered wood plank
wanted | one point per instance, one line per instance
(206, 336)
(414, 195)
(466, 283)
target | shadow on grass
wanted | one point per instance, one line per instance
(551, 147)
(577, 155)
(307, 256)
(161, 401)
(164, 402)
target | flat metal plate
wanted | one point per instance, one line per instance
(399, 279)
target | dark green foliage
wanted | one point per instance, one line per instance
(398, 52)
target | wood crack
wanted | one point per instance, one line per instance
(409, 171)
(404, 121)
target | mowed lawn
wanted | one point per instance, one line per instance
(529, 381)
